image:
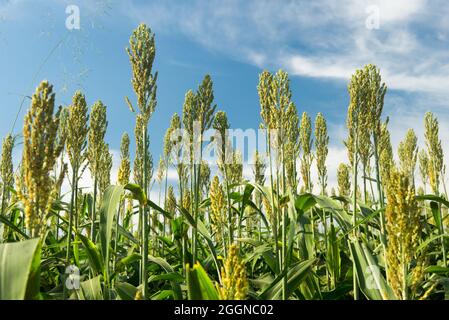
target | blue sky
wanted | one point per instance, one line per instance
(320, 44)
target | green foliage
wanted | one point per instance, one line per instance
(267, 237)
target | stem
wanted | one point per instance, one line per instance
(145, 254)
(71, 212)
(383, 237)
(354, 218)
(228, 200)
(365, 199)
(274, 209)
(59, 196)
(76, 204)
(4, 235)
(334, 272)
(195, 213)
(443, 249)
(121, 205)
(94, 206)
(145, 219)
(3, 200)
(140, 235)
(184, 244)
(165, 204)
(444, 185)
(404, 277)
(284, 231)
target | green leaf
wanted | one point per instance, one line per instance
(199, 285)
(262, 215)
(437, 269)
(19, 270)
(169, 269)
(137, 192)
(364, 221)
(93, 255)
(172, 276)
(13, 227)
(370, 279)
(305, 202)
(125, 291)
(108, 210)
(247, 195)
(333, 260)
(92, 289)
(167, 214)
(162, 295)
(187, 216)
(428, 241)
(295, 276)
(432, 197)
(292, 226)
(133, 257)
(339, 293)
(435, 208)
(202, 230)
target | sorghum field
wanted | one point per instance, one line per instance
(381, 235)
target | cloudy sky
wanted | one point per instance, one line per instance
(319, 43)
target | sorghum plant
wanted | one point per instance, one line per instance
(40, 152)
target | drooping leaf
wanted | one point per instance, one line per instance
(125, 291)
(93, 255)
(137, 193)
(169, 269)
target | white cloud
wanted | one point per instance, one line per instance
(325, 39)
(86, 181)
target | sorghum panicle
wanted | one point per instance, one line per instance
(306, 145)
(104, 169)
(434, 150)
(234, 284)
(141, 52)
(321, 145)
(403, 229)
(343, 179)
(41, 149)
(77, 130)
(124, 170)
(6, 167)
(97, 131)
(408, 154)
(217, 204)
(423, 167)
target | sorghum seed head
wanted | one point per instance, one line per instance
(124, 170)
(6, 171)
(234, 284)
(321, 145)
(41, 149)
(141, 52)
(408, 153)
(77, 130)
(434, 150)
(97, 131)
(424, 166)
(403, 228)
(217, 204)
(344, 184)
(104, 170)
